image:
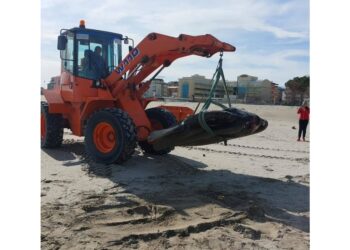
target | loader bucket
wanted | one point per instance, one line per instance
(226, 124)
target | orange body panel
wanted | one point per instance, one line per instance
(180, 112)
(75, 99)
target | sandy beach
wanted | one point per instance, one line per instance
(251, 194)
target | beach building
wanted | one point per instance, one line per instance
(157, 88)
(53, 81)
(252, 90)
(172, 89)
(198, 87)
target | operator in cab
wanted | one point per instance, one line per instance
(99, 63)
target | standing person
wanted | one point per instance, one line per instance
(304, 113)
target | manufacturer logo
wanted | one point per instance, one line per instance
(130, 57)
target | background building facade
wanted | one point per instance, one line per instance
(252, 90)
(157, 88)
(247, 89)
(198, 87)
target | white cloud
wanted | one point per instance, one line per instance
(194, 18)
(184, 16)
(286, 21)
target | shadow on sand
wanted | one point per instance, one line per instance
(184, 183)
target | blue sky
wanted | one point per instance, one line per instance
(271, 36)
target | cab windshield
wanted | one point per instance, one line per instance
(97, 55)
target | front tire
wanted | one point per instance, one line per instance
(160, 119)
(110, 136)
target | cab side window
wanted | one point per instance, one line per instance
(84, 63)
(68, 54)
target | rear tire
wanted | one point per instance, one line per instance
(110, 136)
(160, 119)
(51, 128)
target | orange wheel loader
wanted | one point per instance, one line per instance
(99, 96)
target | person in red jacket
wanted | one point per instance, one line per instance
(304, 113)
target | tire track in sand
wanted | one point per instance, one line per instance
(301, 159)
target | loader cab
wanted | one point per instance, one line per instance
(87, 53)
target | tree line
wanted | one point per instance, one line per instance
(299, 87)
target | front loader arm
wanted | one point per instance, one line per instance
(157, 50)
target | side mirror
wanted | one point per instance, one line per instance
(126, 40)
(131, 48)
(61, 42)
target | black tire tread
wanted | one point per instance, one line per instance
(129, 131)
(54, 128)
(168, 120)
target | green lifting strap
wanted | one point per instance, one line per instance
(215, 80)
